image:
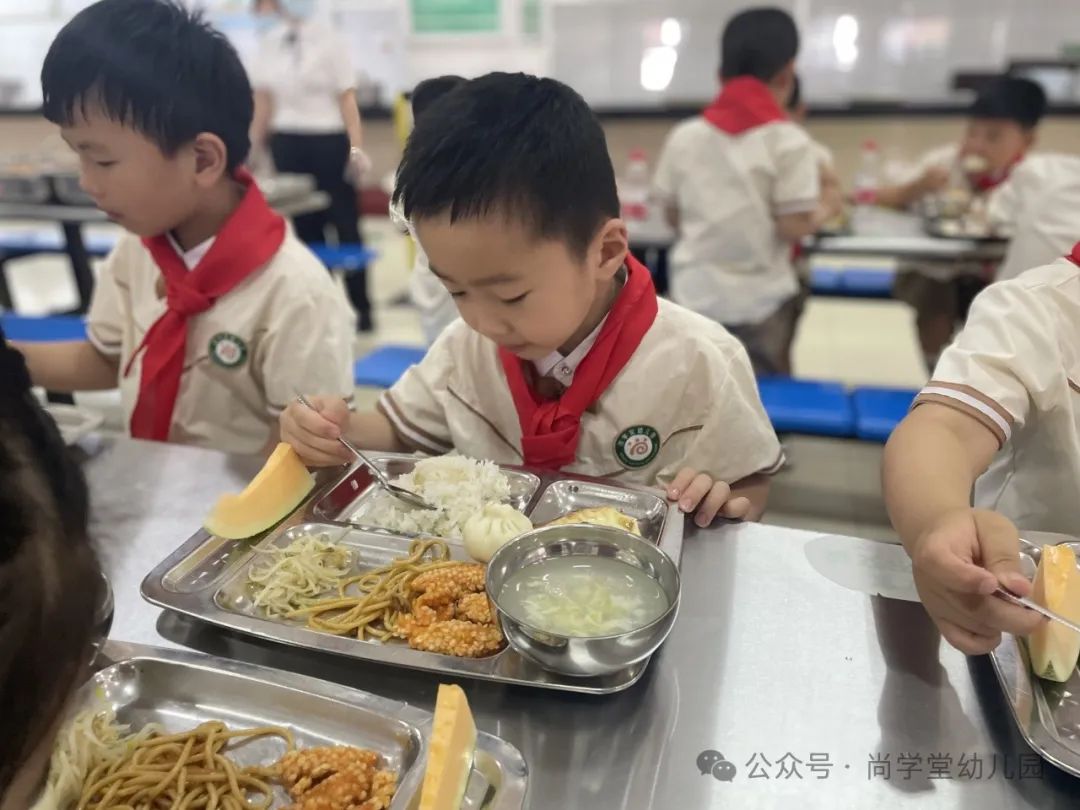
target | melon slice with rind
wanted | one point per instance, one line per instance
(1054, 648)
(281, 485)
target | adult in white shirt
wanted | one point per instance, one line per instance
(306, 112)
(1040, 205)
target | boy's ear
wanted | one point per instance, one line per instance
(211, 158)
(611, 246)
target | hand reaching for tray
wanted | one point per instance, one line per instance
(958, 563)
(314, 433)
(708, 499)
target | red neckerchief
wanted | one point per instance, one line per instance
(1074, 257)
(246, 242)
(551, 429)
(743, 104)
(988, 181)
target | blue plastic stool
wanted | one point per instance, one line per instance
(825, 281)
(384, 366)
(879, 410)
(868, 283)
(807, 406)
(45, 329)
(347, 258)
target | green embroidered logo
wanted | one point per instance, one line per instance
(637, 446)
(227, 350)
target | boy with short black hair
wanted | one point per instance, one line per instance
(209, 312)
(1002, 128)
(564, 358)
(742, 185)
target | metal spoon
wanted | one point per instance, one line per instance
(402, 494)
(1034, 552)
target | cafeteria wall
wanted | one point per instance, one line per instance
(901, 139)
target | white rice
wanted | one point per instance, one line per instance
(458, 487)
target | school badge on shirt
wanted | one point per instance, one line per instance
(637, 446)
(227, 350)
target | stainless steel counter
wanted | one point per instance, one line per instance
(769, 661)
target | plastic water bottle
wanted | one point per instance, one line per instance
(634, 188)
(867, 182)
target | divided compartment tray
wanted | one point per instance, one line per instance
(1046, 713)
(180, 690)
(206, 577)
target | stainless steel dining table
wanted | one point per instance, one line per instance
(787, 681)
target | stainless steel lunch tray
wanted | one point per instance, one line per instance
(180, 690)
(206, 577)
(1046, 713)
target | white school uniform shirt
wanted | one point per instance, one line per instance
(305, 67)
(1015, 368)
(1040, 205)
(428, 294)
(728, 262)
(686, 398)
(286, 328)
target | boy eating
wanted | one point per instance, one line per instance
(1002, 127)
(209, 313)
(742, 186)
(564, 358)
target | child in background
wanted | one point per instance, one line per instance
(1001, 131)
(564, 358)
(50, 584)
(1039, 206)
(1001, 417)
(742, 185)
(429, 295)
(209, 314)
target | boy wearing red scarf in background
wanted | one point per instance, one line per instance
(564, 358)
(742, 185)
(209, 313)
(1001, 130)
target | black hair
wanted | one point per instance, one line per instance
(154, 66)
(50, 582)
(1013, 99)
(528, 147)
(758, 42)
(795, 99)
(429, 91)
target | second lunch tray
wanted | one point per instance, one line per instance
(1047, 713)
(180, 690)
(206, 577)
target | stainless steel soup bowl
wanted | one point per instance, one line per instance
(592, 656)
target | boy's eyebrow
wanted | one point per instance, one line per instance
(81, 146)
(488, 281)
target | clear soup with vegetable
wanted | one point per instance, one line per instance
(583, 597)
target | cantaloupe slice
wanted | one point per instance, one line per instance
(450, 752)
(277, 490)
(1054, 648)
